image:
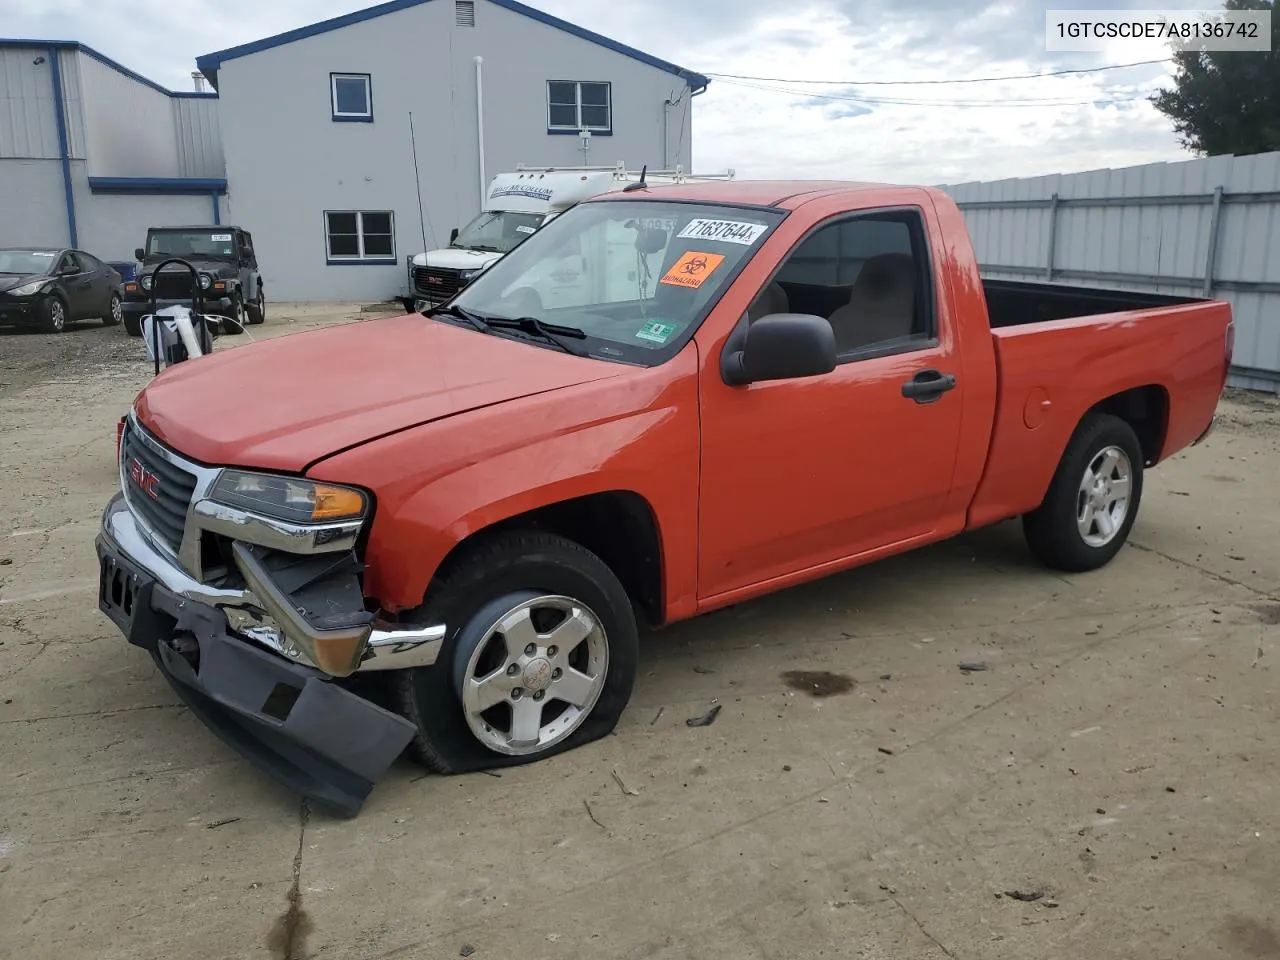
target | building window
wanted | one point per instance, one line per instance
(574, 106)
(464, 13)
(351, 95)
(359, 236)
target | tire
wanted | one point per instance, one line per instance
(256, 310)
(507, 576)
(133, 324)
(237, 314)
(1067, 531)
(55, 315)
(115, 312)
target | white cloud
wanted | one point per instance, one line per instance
(1076, 122)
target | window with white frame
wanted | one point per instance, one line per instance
(351, 96)
(360, 236)
(574, 105)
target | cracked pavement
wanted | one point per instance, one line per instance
(1118, 757)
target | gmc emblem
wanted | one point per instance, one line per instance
(144, 479)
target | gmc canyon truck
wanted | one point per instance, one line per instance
(443, 530)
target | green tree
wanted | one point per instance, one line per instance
(1227, 102)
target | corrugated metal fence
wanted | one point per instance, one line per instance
(1206, 227)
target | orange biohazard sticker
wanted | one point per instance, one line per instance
(692, 269)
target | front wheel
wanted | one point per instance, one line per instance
(55, 315)
(256, 310)
(1093, 500)
(540, 657)
(115, 312)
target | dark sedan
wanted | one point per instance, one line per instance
(50, 287)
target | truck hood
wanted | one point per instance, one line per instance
(285, 403)
(455, 258)
(203, 265)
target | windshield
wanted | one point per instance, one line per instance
(191, 243)
(498, 231)
(635, 276)
(25, 261)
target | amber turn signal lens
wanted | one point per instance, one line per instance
(332, 503)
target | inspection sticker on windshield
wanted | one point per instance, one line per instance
(221, 238)
(728, 231)
(523, 229)
(656, 331)
(692, 269)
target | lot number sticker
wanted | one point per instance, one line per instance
(221, 238)
(656, 331)
(524, 229)
(727, 231)
(692, 269)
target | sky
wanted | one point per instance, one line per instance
(856, 124)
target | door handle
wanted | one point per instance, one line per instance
(928, 386)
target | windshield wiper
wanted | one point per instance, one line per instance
(550, 332)
(462, 313)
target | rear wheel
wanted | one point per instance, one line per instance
(115, 312)
(540, 657)
(1093, 500)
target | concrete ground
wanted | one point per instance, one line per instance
(858, 796)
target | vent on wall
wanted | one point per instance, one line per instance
(465, 12)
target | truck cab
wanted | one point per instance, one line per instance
(517, 205)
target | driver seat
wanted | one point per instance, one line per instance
(881, 305)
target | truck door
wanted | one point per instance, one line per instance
(805, 472)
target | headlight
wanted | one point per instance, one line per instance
(469, 274)
(145, 281)
(27, 289)
(205, 281)
(291, 499)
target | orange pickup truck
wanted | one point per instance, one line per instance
(444, 530)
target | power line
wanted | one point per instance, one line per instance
(897, 83)
(898, 101)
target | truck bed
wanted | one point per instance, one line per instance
(1012, 303)
(1059, 349)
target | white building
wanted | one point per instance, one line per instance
(325, 166)
(91, 153)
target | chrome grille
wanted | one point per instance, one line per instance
(158, 491)
(437, 283)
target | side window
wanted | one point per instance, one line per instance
(868, 274)
(246, 248)
(68, 263)
(88, 262)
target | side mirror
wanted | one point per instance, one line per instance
(139, 254)
(780, 346)
(453, 234)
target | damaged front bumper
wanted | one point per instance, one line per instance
(244, 660)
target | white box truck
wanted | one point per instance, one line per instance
(516, 205)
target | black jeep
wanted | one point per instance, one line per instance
(230, 284)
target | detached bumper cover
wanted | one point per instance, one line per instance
(292, 721)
